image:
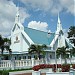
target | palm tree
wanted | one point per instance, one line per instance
(4, 44)
(1, 44)
(38, 49)
(72, 52)
(63, 52)
(71, 34)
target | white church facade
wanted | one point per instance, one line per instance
(22, 37)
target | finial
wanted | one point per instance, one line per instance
(49, 31)
(17, 18)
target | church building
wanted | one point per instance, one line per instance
(22, 38)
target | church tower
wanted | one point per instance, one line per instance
(59, 25)
(59, 32)
(17, 17)
(17, 20)
(16, 34)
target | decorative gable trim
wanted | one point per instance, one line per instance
(20, 26)
(54, 40)
(15, 27)
(27, 38)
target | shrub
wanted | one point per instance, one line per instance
(73, 66)
(36, 68)
(42, 66)
(54, 68)
(58, 65)
(4, 72)
(49, 65)
(65, 68)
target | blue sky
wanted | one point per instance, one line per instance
(67, 18)
(37, 14)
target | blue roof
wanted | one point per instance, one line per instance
(39, 37)
(68, 45)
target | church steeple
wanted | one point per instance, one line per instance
(59, 26)
(17, 18)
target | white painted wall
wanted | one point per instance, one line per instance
(57, 73)
(25, 44)
(16, 43)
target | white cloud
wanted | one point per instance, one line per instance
(23, 14)
(43, 26)
(39, 4)
(7, 16)
(53, 6)
(68, 5)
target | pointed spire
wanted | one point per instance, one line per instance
(59, 19)
(17, 18)
(59, 26)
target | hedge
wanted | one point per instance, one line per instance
(6, 72)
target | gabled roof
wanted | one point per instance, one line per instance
(68, 43)
(39, 37)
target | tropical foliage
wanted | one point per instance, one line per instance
(71, 33)
(37, 49)
(72, 52)
(63, 52)
(4, 44)
(65, 67)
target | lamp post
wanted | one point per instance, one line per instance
(56, 50)
(48, 36)
(60, 59)
(69, 53)
(55, 60)
(54, 46)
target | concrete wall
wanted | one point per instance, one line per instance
(57, 73)
(20, 72)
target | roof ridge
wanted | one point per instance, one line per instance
(35, 29)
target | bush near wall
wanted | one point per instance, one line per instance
(6, 72)
(36, 68)
(73, 66)
(43, 66)
(65, 67)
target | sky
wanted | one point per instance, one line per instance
(38, 14)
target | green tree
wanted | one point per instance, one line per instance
(1, 43)
(5, 43)
(38, 49)
(72, 52)
(71, 34)
(63, 52)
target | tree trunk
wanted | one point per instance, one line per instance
(65, 61)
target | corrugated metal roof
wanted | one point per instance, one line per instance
(39, 37)
(68, 45)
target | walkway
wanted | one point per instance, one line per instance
(30, 74)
